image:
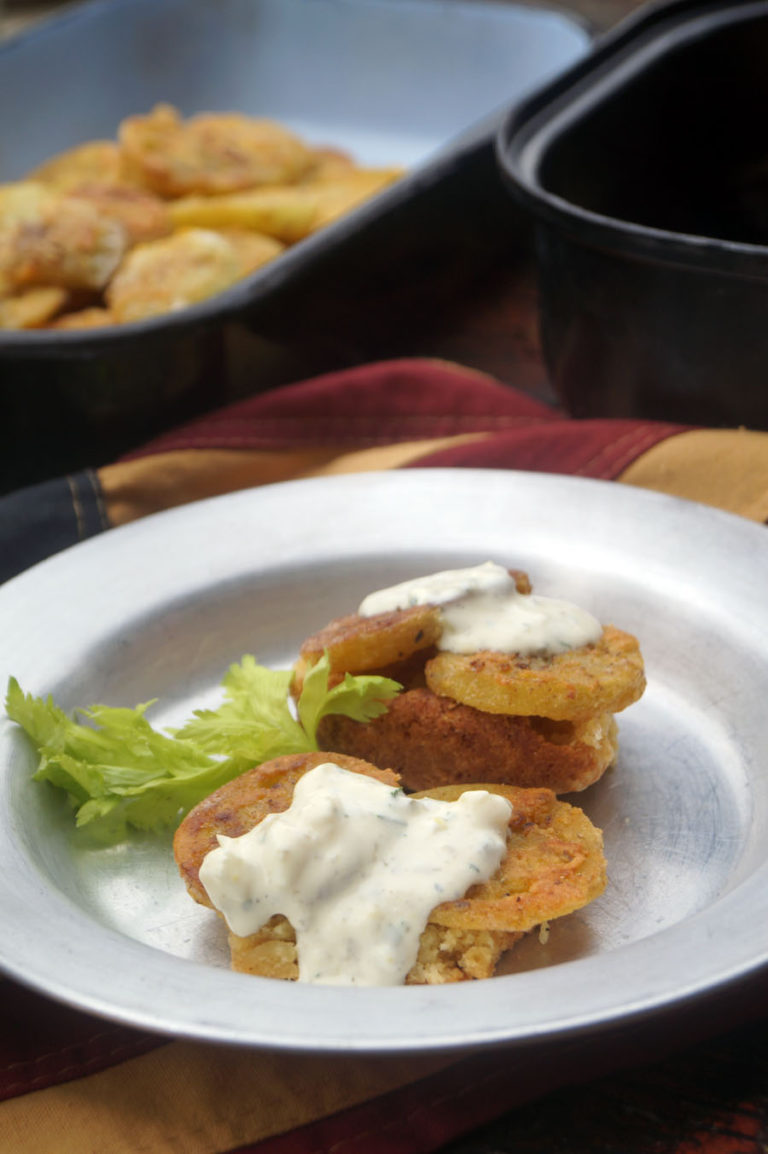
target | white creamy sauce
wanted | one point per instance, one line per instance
(482, 609)
(356, 866)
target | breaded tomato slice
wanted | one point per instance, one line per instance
(602, 678)
(554, 865)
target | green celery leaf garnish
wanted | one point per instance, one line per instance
(119, 772)
(362, 698)
(254, 721)
(119, 769)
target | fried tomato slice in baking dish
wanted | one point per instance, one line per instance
(210, 152)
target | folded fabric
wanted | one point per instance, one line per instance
(402, 413)
(393, 414)
(70, 1082)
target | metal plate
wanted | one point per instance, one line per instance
(161, 607)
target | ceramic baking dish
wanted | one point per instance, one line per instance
(416, 83)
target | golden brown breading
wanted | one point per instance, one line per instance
(361, 644)
(143, 215)
(32, 308)
(70, 222)
(357, 644)
(335, 198)
(605, 677)
(328, 164)
(431, 740)
(172, 273)
(525, 720)
(93, 317)
(51, 239)
(211, 152)
(445, 954)
(95, 160)
(287, 212)
(24, 202)
(252, 249)
(554, 865)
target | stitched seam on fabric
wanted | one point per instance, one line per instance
(99, 499)
(635, 450)
(344, 428)
(77, 508)
(91, 1040)
(348, 421)
(64, 1072)
(619, 452)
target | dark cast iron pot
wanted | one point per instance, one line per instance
(646, 168)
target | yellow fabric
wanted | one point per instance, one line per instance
(134, 488)
(190, 1098)
(727, 468)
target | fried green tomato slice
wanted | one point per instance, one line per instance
(602, 678)
(358, 644)
(47, 239)
(211, 152)
(242, 803)
(433, 741)
(171, 273)
(554, 865)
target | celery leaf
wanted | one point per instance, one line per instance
(119, 772)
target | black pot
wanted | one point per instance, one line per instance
(646, 168)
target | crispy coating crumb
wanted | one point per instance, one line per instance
(286, 213)
(445, 954)
(396, 639)
(554, 865)
(252, 249)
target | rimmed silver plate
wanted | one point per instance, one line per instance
(160, 608)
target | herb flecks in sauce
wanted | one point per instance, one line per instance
(355, 867)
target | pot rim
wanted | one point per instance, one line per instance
(529, 130)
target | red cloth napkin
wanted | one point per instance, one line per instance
(70, 1082)
(396, 414)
